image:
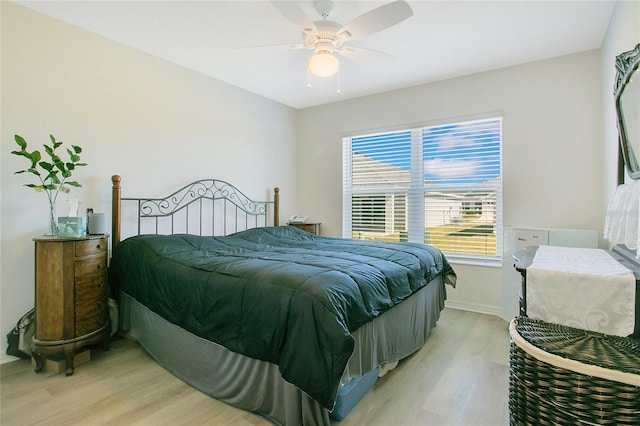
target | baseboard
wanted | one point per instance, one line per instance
(473, 307)
(7, 358)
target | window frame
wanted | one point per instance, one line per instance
(418, 189)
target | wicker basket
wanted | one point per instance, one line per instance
(560, 375)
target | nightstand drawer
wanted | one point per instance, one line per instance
(89, 304)
(90, 323)
(89, 247)
(91, 265)
(90, 307)
(90, 286)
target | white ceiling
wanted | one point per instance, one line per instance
(443, 39)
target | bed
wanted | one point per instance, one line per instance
(268, 318)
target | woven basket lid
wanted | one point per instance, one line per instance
(602, 350)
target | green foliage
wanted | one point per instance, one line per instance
(53, 174)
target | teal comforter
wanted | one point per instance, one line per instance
(276, 294)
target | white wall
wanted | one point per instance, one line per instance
(154, 123)
(551, 149)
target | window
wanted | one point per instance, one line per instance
(441, 185)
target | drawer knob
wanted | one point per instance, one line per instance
(99, 246)
(100, 266)
(100, 284)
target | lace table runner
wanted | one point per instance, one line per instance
(581, 288)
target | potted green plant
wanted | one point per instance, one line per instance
(53, 174)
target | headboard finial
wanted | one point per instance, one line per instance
(115, 211)
(276, 206)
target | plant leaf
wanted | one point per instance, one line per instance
(77, 149)
(55, 143)
(75, 158)
(20, 141)
(35, 157)
(73, 183)
(22, 153)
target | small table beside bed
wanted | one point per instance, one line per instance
(271, 319)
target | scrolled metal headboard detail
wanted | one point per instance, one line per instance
(211, 189)
(188, 204)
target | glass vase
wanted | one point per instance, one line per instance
(53, 221)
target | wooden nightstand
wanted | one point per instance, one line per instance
(313, 228)
(71, 297)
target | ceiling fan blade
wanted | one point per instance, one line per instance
(290, 46)
(376, 20)
(349, 51)
(295, 15)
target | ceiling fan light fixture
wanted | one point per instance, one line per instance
(323, 64)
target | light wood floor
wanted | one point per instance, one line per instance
(460, 377)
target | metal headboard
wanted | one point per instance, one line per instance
(204, 207)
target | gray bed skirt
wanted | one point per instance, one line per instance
(257, 386)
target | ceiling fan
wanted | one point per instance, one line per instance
(326, 37)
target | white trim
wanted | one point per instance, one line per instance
(4, 358)
(460, 259)
(473, 307)
(347, 191)
(429, 123)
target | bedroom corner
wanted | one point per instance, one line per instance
(147, 119)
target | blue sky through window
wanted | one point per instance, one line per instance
(463, 153)
(391, 148)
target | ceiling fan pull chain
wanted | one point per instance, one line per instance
(307, 80)
(338, 91)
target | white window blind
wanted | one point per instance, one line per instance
(441, 185)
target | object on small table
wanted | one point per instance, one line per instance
(312, 227)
